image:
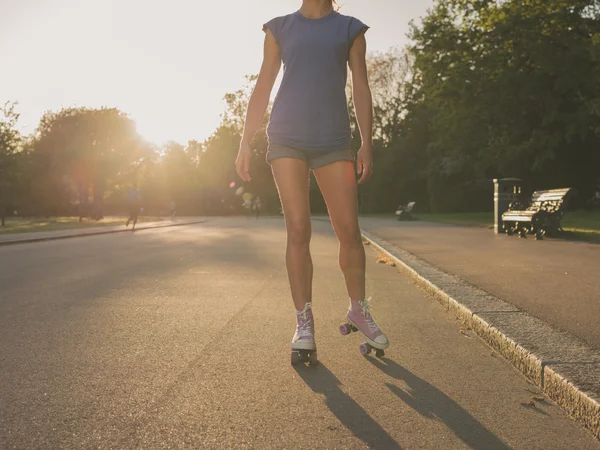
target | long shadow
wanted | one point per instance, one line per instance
(432, 403)
(577, 236)
(356, 419)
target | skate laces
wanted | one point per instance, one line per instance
(366, 311)
(305, 322)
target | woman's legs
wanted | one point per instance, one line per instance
(291, 178)
(338, 186)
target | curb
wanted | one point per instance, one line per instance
(93, 233)
(566, 369)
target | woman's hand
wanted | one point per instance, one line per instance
(242, 163)
(364, 164)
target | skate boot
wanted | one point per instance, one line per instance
(360, 319)
(304, 348)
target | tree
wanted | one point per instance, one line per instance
(395, 179)
(218, 157)
(84, 149)
(510, 89)
(10, 141)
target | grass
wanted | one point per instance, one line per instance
(469, 219)
(579, 225)
(28, 225)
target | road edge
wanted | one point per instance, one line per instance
(567, 370)
(98, 232)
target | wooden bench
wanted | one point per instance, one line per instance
(405, 212)
(542, 216)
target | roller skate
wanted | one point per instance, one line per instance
(360, 319)
(304, 348)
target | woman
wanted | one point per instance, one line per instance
(310, 130)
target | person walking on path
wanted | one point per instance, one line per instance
(257, 206)
(133, 204)
(248, 203)
(172, 209)
(309, 129)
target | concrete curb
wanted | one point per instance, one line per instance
(566, 369)
(94, 233)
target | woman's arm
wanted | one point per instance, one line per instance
(259, 101)
(363, 105)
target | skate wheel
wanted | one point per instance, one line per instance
(345, 329)
(313, 361)
(365, 349)
(295, 358)
(380, 353)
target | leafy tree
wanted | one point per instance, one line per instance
(220, 150)
(511, 89)
(10, 142)
(84, 149)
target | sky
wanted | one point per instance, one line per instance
(167, 64)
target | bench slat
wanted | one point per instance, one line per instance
(548, 197)
(516, 219)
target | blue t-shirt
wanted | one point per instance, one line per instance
(311, 110)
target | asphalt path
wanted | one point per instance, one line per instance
(179, 338)
(557, 281)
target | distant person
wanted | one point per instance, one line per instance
(310, 129)
(172, 209)
(257, 206)
(248, 197)
(133, 204)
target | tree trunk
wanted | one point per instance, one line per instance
(2, 207)
(83, 201)
(98, 200)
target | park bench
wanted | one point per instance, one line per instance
(405, 212)
(542, 216)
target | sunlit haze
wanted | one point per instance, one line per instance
(167, 64)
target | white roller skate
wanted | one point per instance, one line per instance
(304, 348)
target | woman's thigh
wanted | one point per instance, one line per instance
(337, 182)
(291, 178)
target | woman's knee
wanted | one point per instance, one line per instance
(298, 232)
(349, 236)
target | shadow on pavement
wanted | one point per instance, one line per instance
(432, 403)
(353, 417)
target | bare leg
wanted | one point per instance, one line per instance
(291, 177)
(338, 186)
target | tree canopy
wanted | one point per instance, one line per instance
(486, 89)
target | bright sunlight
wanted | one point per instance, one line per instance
(166, 64)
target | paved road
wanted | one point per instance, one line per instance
(175, 338)
(12, 238)
(556, 281)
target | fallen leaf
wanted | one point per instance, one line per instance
(528, 405)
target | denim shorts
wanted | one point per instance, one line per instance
(313, 158)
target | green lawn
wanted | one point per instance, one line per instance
(63, 223)
(470, 219)
(579, 225)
